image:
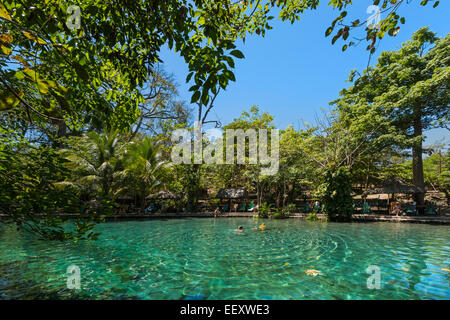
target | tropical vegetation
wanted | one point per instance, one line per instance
(87, 110)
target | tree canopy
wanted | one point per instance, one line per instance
(403, 95)
(86, 111)
(86, 64)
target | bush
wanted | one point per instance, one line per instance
(289, 209)
(264, 210)
(312, 217)
(337, 200)
(279, 215)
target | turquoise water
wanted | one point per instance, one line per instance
(208, 259)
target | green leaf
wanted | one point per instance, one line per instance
(6, 51)
(34, 38)
(230, 62)
(205, 97)
(238, 54)
(19, 75)
(194, 88)
(335, 39)
(229, 75)
(195, 97)
(8, 100)
(30, 73)
(188, 78)
(223, 81)
(4, 13)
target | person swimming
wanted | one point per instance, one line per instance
(240, 229)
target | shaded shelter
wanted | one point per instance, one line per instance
(393, 186)
(232, 194)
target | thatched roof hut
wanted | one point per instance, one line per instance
(232, 193)
(394, 185)
(163, 195)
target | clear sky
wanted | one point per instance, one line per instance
(295, 71)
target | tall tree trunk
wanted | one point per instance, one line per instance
(62, 132)
(258, 198)
(417, 162)
(366, 185)
(62, 129)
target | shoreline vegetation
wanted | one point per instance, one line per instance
(91, 123)
(320, 174)
(357, 218)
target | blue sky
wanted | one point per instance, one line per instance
(294, 71)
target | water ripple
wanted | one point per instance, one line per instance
(208, 259)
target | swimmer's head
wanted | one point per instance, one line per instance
(240, 228)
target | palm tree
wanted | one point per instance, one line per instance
(144, 169)
(95, 158)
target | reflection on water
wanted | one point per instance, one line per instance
(208, 259)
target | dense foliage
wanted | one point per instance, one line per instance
(403, 95)
(337, 199)
(86, 111)
(31, 197)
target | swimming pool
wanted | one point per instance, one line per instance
(208, 259)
